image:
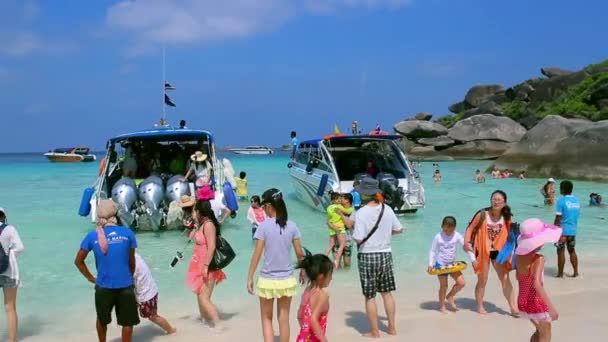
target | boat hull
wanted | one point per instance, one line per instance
(306, 186)
(69, 157)
(249, 152)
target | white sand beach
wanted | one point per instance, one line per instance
(579, 301)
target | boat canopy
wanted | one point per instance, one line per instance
(166, 134)
(71, 150)
(349, 138)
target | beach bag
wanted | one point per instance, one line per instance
(223, 256)
(482, 218)
(4, 259)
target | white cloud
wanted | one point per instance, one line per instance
(22, 43)
(183, 22)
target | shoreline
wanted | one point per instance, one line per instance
(418, 317)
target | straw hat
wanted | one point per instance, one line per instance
(186, 201)
(198, 156)
(534, 233)
(106, 209)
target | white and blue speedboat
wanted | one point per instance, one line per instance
(335, 162)
(145, 196)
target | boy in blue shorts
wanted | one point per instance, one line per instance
(567, 211)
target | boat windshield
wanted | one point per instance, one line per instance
(359, 156)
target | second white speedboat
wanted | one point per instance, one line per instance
(335, 162)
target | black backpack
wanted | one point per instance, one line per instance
(4, 260)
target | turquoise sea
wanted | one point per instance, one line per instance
(42, 199)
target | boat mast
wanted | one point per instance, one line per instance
(163, 87)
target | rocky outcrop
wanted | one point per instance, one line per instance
(458, 107)
(481, 93)
(480, 149)
(423, 116)
(442, 141)
(487, 127)
(416, 129)
(564, 148)
(553, 72)
(489, 107)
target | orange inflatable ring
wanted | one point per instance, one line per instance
(102, 166)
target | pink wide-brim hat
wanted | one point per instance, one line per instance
(534, 233)
(205, 193)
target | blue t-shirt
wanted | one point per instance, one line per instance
(294, 145)
(569, 209)
(113, 270)
(356, 198)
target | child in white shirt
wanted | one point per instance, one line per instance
(146, 293)
(443, 252)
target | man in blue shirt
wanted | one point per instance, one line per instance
(568, 210)
(114, 250)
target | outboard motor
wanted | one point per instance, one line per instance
(151, 192)
(393, 193)
(124, 192)
(176, 188)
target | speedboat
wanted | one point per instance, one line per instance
(143, 173)
(335, 162)
(70, 155)
(252, 150)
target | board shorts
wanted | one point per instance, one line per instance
(121, 300)
(376, 273)
(566, 240)
(149, 308)
(8, 282)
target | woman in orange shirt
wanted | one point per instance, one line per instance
(486, 236)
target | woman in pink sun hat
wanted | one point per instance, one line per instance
(533, 301)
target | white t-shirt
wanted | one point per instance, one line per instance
(145, 286)
(11, 242)
(365, 219)
(444, 248)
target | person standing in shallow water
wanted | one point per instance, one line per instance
(567, 212)
(486, 235)
(114, 250)
(375, 223)
(9, 278)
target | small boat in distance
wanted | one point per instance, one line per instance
(252, 150)
(70, 155)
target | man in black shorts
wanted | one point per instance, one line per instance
(114, 250)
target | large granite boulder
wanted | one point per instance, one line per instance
(481, 93)
(489, 107)
(423, 116)
(427, 153)
(548, 90)
(442, 141)
(553, 72)
(458, 107)
(564, 148)
(479, 149)
(405, 144)
(487, 127)
(420, 129)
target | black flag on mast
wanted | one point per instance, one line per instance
(168, 86)
(168, 101)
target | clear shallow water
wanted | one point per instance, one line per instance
(42, 200)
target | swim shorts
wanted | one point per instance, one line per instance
(566, 240)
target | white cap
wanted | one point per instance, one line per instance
(551, 180)
(3, 211)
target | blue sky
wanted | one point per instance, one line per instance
(78, 72)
